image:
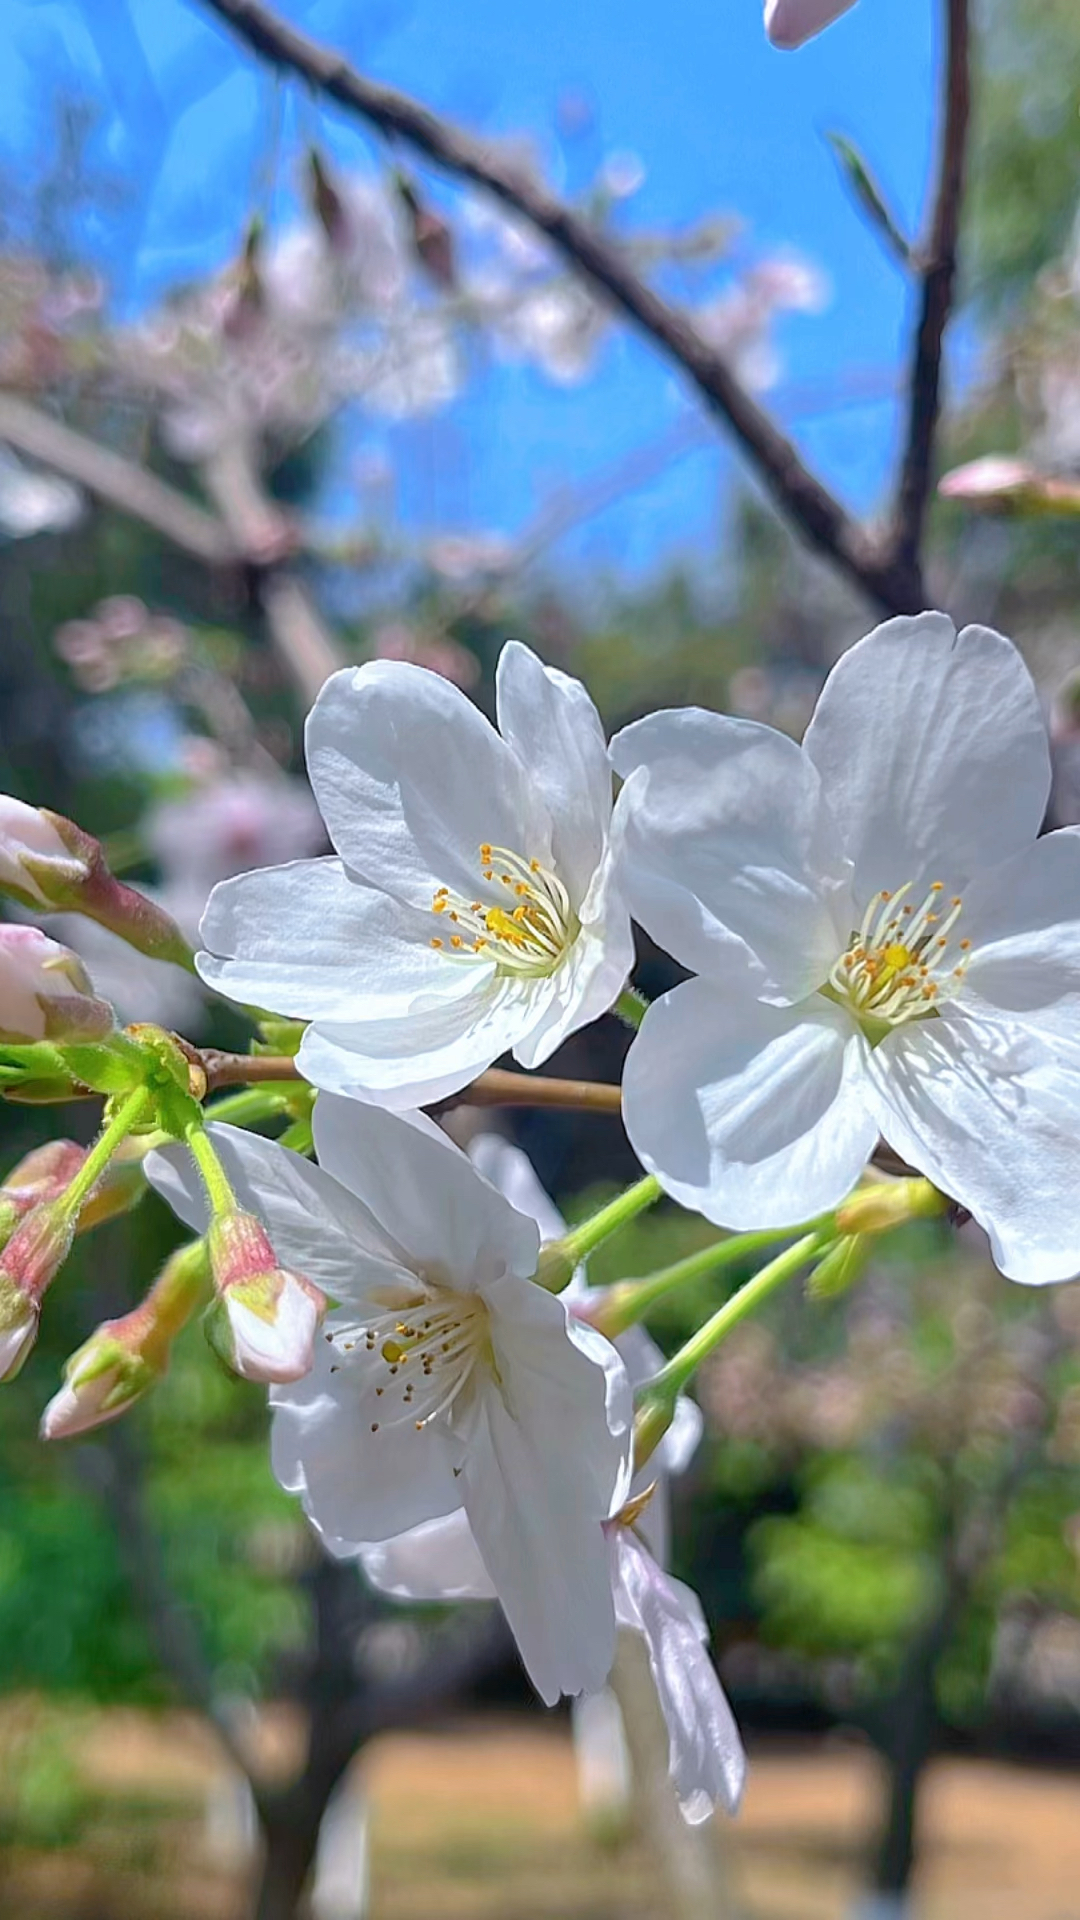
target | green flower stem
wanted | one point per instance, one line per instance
(559, 1258)
(248, 1107)
(631, 1007)
(124, 1120)
(214, 1178)
(673, 1377)
(628, 1301)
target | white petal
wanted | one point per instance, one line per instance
(512, 1173)
(307, 940)
(751, 1114)
(1023, 920)
(316, 1226)
(586, 985)
(725, 837)
(978, 1102)
(706, 1758)
(413, 1059)
(789, 23)
(427, 1197)
(554, 729)
(412, 780)
(438, 1560)
(548, 1458)
(933, 752)
(357, 1486)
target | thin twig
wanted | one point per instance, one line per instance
(802, 496)
(938, 259)
(496, 1088)
(119, 482)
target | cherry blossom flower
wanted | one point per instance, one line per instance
(440, 1560)
(789, 23)
(447, 1377)
(472, 907)
(883, 946)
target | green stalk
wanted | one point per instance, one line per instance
(559, 1258)
(214, 1178)
(250, 1105)
(123, 1122)
(674, 1376)
(631, 1007)
(628, 1301)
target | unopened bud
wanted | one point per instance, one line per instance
(100, 1382)
(123, 1358)
(264, 1321)
(45, 993)
(431, 236)
(886, 1204)
(327, 202)
(247, 300)
(35, 862)
(38, 1246)
(48, 861)
(842, 1266)
(18, 1328)
(999, 483)
(40, 1175)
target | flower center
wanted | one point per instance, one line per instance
(526, 926)
(425, 1348)
(902, 961)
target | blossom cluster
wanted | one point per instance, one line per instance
(881, 946)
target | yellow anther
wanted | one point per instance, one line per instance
(436, 943)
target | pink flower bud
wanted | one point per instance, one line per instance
(35, 862)
(18, 1328)
(45, 993)
(48, 861)
(124, 1358)
(40, 1175)
(103, 1379)
(37, 1249)
(789, 23)
(264, 1321)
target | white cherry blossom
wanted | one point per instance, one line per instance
(789, 23)
(472, 907)
(883, 946)
(447, 1379)
(440, 1560)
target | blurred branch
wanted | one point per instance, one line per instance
(937, 261)
(119, 482)
(891, 580)
(266, 536)
(116, 1464)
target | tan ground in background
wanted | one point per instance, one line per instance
(480, 1823)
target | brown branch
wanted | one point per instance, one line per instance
(496, 1088)
(299, 635)
(938, 260)
(119, 482)
(802, 496)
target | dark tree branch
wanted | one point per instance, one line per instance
(893, 583)
(938, 261)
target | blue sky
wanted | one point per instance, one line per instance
(719, 120)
